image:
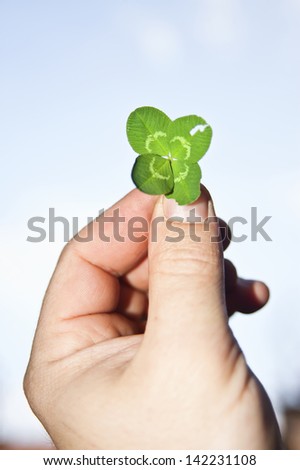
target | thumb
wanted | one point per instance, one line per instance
(186, 280)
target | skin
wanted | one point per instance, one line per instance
(133, 349)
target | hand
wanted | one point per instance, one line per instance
(97, 379)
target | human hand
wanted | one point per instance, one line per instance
(97, 379)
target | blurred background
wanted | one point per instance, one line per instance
(70, 74)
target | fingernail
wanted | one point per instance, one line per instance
(201, 209)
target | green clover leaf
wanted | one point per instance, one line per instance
(169, 152)
(186, 182)
(147, 131)
(153, 174)
(186, 144)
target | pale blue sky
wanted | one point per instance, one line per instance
(72, 71)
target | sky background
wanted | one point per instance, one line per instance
(70, 74)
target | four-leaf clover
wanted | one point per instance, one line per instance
(168, 153)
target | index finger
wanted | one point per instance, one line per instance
(85, 280)
(117, 240)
